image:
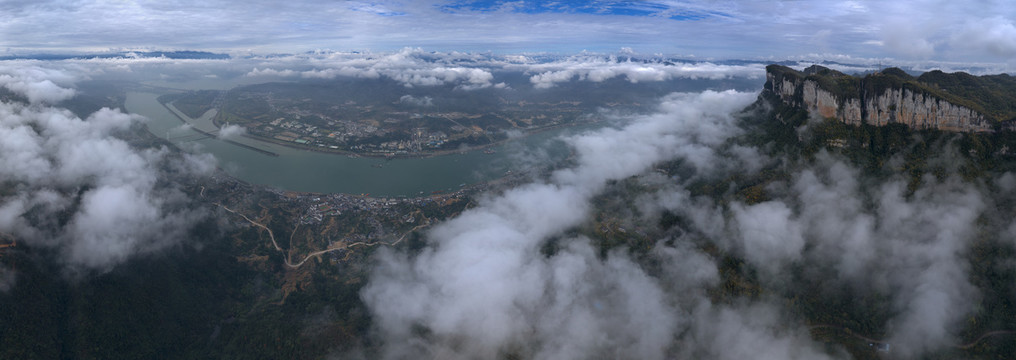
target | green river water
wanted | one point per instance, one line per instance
(309, 171)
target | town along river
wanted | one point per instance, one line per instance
(309, 171)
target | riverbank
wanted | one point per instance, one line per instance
(304, 171)
(419, 155)
(193, 126)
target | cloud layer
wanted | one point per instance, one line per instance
(912, 30)
(598, 69)
(912, 248)
(37, 84)
(73, 186)
(411, 67)
(483, 286)
(514, 277)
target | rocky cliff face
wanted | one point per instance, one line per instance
(890, 105)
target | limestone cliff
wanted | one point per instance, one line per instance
(877, 99)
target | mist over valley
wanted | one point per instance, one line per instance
(617, 180)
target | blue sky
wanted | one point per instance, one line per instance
(981, 31)
(603, 8)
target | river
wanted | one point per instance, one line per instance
(309, 171)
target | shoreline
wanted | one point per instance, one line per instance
(173, 110)
(222, 174)
(442, 193)
(384, 156)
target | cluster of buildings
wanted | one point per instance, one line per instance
(346, 135)
(388, 209)
(296, 123)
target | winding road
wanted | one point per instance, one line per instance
(870, 340)
(337, 247)
(344, 246)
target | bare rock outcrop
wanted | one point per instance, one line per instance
(856, 103)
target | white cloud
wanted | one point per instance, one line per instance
(901, 39)
(995, 35)
(231, 131)
(483, 288)
(37, 84)
(411, 67)
(767, 234)
(599, 69)
(873, 236)
(271, 72)
(715, 30)
(417, 101)
(84, 192)
(751, 332)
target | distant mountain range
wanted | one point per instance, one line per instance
(186, 54)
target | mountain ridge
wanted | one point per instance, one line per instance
(956, 102)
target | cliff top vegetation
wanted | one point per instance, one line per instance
(994, 96)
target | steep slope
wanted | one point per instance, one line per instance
(950, 102)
